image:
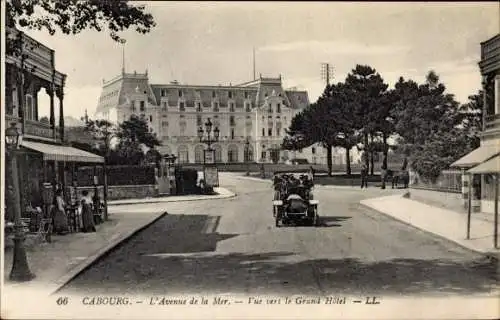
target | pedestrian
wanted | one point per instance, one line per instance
(60, 219)
(383, 172)
(87, 213)
(364, 174)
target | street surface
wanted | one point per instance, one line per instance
(232, 246)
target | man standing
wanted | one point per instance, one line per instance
(383, 172)
(364, 174)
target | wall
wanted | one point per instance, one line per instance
(125, 192)
(447, 200)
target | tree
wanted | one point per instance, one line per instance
(136, 130)
(367, 88)
(74, 16)
(430, 126)
(472, 117)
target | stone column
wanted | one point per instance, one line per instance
(61, 113)
(52, 111)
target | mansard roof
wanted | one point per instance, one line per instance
(116, 91)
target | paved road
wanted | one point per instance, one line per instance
(232, 246)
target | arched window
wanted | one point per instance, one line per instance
(183, 154)
(218, 153)
(249, 153)
(198, 153)
(232, 153)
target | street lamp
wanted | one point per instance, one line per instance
(208, 129)
(20, 268)
(247, 155)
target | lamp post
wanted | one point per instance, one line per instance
(208, 130)
(20, 268)
(247, 155)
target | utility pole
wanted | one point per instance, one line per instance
(254, 63)
(326, 72)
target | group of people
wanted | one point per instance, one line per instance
(384, 172)
(85, 213)
(285, 182)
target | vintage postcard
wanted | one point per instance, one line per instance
(250, 160)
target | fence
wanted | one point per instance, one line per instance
(448, 181)
(118, 175)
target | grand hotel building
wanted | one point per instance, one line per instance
(259, 110)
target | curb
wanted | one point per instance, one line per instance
(229, 194)
(89, 261)
(488, 255)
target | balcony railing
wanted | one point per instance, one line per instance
(492, 122)
(36, 129)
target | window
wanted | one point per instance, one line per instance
(263, 132)
(246, 95)
(263, 155)
(232, 122)
(181, 106)
(198, 106)
(313, 150)
(230, 94)
(198, 121)
(278, 108)
(270, 109)
(213, 94)
(132, 105)
(247, 106)
(164, 105)
(163, 92)
(150, 118)
(216, 106)
(182, 128)
(232, 133)
(231, 106)
(142, 106)
(278, 131)
(180, 93)
(270, 131)
(164, 123)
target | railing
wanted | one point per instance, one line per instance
(448, 181)
(490, 48)
(492, 122)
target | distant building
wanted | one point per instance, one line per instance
(259, 110)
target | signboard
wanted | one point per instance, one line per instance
(211, 176)
(209, 156)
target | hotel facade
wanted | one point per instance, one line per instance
(258, 110)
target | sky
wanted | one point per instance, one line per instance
(211, 43)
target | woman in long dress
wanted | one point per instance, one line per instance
(87, 214)
(60, 218)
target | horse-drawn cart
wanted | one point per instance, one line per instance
(293, 199)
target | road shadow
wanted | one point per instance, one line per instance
(331, 221)
(181, 259)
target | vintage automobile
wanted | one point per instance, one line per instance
(293, 199)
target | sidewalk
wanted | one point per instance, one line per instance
(222, 193)
(56, 263)
(444, 223)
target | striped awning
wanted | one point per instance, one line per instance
(62, 153)
(490, 166)
(479, 155)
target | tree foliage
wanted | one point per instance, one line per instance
(74, 16)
